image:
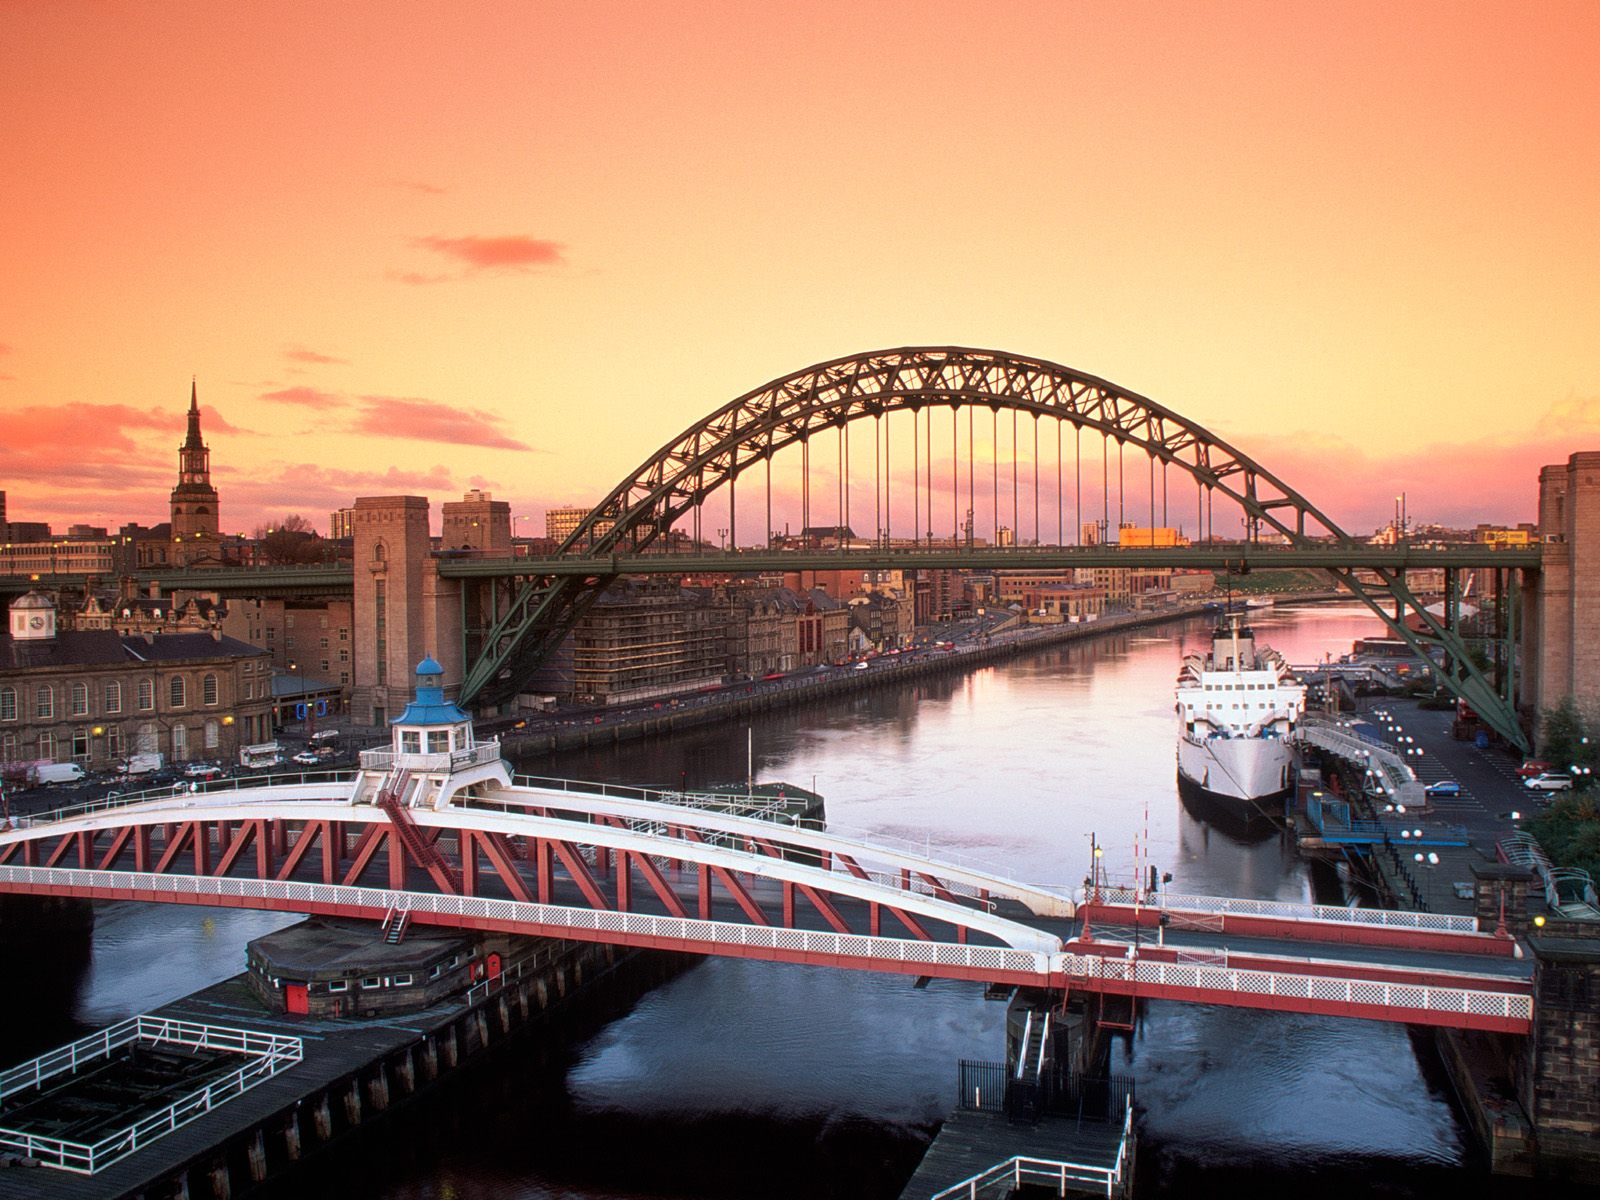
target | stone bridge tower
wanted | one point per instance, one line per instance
(1561, 602)
(403, 611)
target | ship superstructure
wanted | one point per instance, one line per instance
(1236, 708)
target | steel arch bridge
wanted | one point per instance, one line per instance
(673, 485)
(655, 871)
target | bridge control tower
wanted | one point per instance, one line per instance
(433, 753)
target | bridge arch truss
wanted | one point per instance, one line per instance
(674, 485)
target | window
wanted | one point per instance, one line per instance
(249, 689)
(438, 970)
(44, 701)
(47, 747)
(401, 981)
(8, 704)
(322, 643)
(323, 621)
(288, 620)
(180, 743)
(410, 742)
(79, 701)
(113, 697)
(113, 742)
(176, 692)
(208, 689)
(147, 695)
(344, 635)
(80, 745)
(324, 666)
(344, 653)
(149, 738)
(272, 635)
(371, 981)
(213, 734)
(338, 985)
(438, 742)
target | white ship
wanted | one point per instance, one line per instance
(1236, 709)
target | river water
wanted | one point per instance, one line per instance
(757, 1079)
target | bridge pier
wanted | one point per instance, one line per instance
(1559, 1084)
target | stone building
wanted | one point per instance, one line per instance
(311, 639)
(885, 619)
(94, 696)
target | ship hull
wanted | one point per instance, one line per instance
(1239, 769)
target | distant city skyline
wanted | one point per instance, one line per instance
(519, 248)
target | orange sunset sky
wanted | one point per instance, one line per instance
(421, 248)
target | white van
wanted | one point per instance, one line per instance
(60, 773)
(143, 764)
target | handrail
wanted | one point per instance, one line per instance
(270, 1053)
(203, 787)
(1243, 906)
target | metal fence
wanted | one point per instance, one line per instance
(267, 1053)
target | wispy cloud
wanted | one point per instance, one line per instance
(303, 354)
(511, 252)
(431, 421)
(418, 279)
(420, 186)
(309, 397)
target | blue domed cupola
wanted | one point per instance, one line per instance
(431, 728)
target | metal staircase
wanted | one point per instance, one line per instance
(417, 844)
(395, 923)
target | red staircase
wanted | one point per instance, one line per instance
(417, 844)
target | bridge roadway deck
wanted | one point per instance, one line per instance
(339, 577)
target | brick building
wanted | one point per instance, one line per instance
(95, 696)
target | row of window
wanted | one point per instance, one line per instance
(147, 740)
(1243, 687)
(77, 697)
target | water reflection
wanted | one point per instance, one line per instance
(742, 1078)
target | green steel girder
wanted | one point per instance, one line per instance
(1459, 673)
(750, 429)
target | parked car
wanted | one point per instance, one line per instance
(1550, 781)
(307, 758)
(1445, 787)
(1532, 767)
(202, 770)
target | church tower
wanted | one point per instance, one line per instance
(195, 527)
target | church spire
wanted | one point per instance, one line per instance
(193, 442)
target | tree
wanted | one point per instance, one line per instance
(291, 540)
(1563, 739)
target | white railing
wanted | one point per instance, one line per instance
(1011, 1175)
(318, 896)
(730, 802)
(268, 1053)
(1358, 993)
(1237, 906)
(449, 761)
(201, 787)
(1400, 781)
